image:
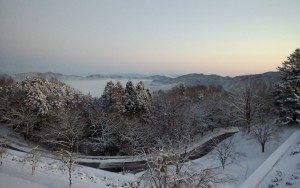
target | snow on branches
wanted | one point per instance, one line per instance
(43, 96)
(288, 90)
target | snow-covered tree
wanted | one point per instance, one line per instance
(171, 113)
(143, 98)
(29, 104)
(288, 90)
(134, 135)
(106, 96)
(69, 159)
(214, 110)
(3, 148)
(23, 120)
(6, 80)
(65, 136)
(117, 106)
(103, 131)
(225, 151)
(244, 103)
(66, 131)
(137, 100)
(263, 133)
(166, 168)
(44, 96)
(208, 108)
(264, 130)
(130, 98)
(112, 98)
(32, 157)
(5, 83)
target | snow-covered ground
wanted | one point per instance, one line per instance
(268, 165)
(286, 173)
(14, 173)
(96, 86)
(52, 173)
(250, 158)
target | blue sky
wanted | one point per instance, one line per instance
(147, 36)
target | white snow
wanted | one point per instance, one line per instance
(250, 160)
(260, 173)
(286, 173)
(11, 181)
(52, 173)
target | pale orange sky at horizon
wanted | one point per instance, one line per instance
(149, 37)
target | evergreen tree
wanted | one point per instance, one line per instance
(288, 90)
(117, 105)
(143, 102)
(106, 96)
(130, 98)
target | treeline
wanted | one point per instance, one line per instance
(121, 121)
(124, 120)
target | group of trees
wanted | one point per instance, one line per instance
(121, 121)
(126, 120)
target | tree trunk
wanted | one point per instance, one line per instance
(70, 173)
(263, 147)
(223, 161)
(248, 128)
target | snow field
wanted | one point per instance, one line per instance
(260, 173)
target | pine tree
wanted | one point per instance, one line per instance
(143, 102)
(117, 105)
(106, 96)
(288, 90)
(129, 98)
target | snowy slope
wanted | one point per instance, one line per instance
(260, 173)
(286, 173)
(251, 157)
(52, 173)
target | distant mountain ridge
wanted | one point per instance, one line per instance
(48, 75)
(116, 76)
(226, 82)
(189, 79)
(59, 76)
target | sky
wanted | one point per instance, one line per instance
(225, 37)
